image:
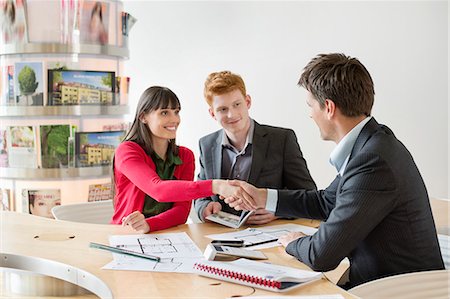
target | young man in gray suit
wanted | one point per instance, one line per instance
(377, 209)
(263, 155)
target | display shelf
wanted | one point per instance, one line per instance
(62, 51)
(53, 173)
(56, 48)
(76, 110)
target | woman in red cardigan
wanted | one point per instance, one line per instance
(152, 176)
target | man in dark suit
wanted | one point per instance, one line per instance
(263, 155)
(376, 211)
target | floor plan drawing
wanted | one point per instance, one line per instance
(177, 251)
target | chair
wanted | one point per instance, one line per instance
(441, 214)
(417, 285)
(444, 244)
(98, 212)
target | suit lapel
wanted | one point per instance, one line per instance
(216, 152)
(259, 146)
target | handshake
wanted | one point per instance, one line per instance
(240, 195)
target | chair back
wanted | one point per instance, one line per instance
(444, 244)
(98, 212)
(441, 214)
(417, 285)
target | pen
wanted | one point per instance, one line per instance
(124, 251)
(259, 243)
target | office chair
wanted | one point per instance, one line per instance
(98, 212)
(417, 285)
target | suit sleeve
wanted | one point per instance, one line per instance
(179, 212)
(295, 171)
(367, 194)
(201, 203)
(129, 159)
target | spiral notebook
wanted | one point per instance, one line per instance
(257, 274)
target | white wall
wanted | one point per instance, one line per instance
(404, 45)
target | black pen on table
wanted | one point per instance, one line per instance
(124, 251)
(259, 243)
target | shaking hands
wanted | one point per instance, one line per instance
(240, 195)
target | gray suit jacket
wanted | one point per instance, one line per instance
(377, 214)
(277, 162)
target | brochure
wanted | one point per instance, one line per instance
(229, 219)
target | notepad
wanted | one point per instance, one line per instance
(229, 219)
(261, 275)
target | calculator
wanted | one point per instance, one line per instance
(212, 251)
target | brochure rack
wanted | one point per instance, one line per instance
(52, 86)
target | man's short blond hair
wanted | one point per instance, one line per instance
(219, 83)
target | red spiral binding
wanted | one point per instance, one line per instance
(238, 276)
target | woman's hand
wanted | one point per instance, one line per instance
(136, 221)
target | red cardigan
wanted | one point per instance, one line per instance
(135, 175)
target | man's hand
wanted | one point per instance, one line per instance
(230, 191)
(252, 199)
(136, 220)
(288, 238)
(261, 216)
(212, 208)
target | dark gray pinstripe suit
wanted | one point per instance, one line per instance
(377, 214)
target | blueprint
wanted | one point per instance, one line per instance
(177, 251)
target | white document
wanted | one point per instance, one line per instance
(177, 251)
(263, 235)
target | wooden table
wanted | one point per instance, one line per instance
(68, 243)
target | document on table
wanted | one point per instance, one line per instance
(177, 251)
(263, 234)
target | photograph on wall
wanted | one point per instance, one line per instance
(3, 149)
(29, 83)
(94, 20)
(40, 202)
(78, 87)
(96, 148)
(54, 145)
(21, 146)
(6, 200)
(98, 192)
(13, 21)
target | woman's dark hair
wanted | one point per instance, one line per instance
(153, 98)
